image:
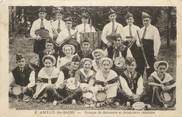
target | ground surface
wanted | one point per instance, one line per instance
(25, 45)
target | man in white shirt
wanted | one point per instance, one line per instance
(150, 37)
(68, 35)
(58, 25)
(131, 37)
(85, 27)
(40, 31)
(111, 28)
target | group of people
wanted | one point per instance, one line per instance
(66, 69)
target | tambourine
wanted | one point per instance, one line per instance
(71, 85)
(17, 90)
(138, 106)
(165, 96)
(101, 96)
(43, 33)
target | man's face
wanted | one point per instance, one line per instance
(84, 20)
(69, 24)
(59, 16)
(130, 20)
(48, 63)
(42, 15)
(106, 66)
(86, 46)
(146, 21)
(49, 45)
(161, 69)
(131, 67)
(75, 65)
(112, 17)
(21, 63)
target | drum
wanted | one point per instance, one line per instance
(138, 106)
(94, 38)
(17, 90)
(43, 33)
(101, 96)
(70, 84)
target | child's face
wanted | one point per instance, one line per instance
(75, 65)
(161, 69)
(85, 46)
(48, 63)
(21, 63)
(106, 66)
(87, 65)
(68, 51)
(146, 21)
(49, 45)
(131, 67)
(118, 41)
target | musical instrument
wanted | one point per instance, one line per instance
(71, 84)
(143, 51)
(55, 33)
(101, 96)
(138, 106)
(43, 33)
(94, 38)
(17, 90)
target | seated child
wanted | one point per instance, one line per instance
(69, 51)
(50, 79)
(131, 83)
(86, 51)
(162, 86)
(20, 82)
(85, 77)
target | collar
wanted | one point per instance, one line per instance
(90, 72)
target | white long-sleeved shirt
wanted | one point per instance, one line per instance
(64, 34)
(54, 74)
(36, 26)
(126, 88)
(107, 30)
(80, 29)
(134, 29)
(152, 33)
(55, 25)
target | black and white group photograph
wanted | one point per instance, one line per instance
(92, 57)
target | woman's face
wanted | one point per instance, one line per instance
(68, 51)
(87, 65)
(98, 55)
(161, 69)
(48, 63)
(106, 66)
(131, 67)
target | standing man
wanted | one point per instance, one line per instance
(111, 28)
(85, 27)
(151, 41)
(40, 31)
(130, 35)
(58, 25)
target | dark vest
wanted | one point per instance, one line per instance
(111, 51)
(132, 83)
(22, 78)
